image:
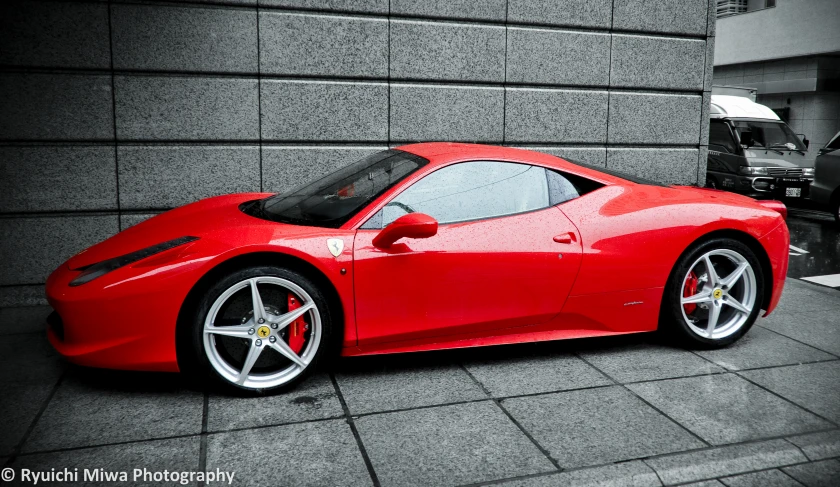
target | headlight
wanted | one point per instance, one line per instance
(754, 171)
(99, 269)
(808, 171)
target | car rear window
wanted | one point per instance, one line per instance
(618, 174)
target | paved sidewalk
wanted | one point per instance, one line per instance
(622, 411)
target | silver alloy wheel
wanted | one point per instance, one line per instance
(723, 304)
(263, 318)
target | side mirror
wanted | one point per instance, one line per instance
(746, 139)
(804, 140)
(413, 225)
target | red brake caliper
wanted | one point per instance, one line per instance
(690, 289)
(297, 327)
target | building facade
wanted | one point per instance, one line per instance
(790, 54)
(115, 111)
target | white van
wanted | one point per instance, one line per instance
(753, 152)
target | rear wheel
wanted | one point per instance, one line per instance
(261, 329)
(714, 294)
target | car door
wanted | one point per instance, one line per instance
(503, 256)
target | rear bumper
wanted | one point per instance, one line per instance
(777, 245)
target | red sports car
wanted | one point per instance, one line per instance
(423, 247)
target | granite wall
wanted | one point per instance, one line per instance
(113, 111)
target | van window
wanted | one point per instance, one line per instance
(721, 137)
(770, 134)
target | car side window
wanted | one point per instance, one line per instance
(721, 136)
(472, 191)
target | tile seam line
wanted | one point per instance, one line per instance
(668, 417)
(808, 410)
(259, 96)
(181, 436)
(738, 374)
(356, 435)
(662, 455)
(381, 15)
(114, 143)
(513, 420)
(360, 80)
(798, 341)
(17, 452)
(202, 442)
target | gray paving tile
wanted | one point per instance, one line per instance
(594, 426)
(765, 478)
(28, 319)
(19, 404)
(705, 483)
(372, 389)
(316, 454)
(628, 474)
(646, 361)
(313, 399)
(94, 407)
(816, 474)
(446, 445)
(724, 461)
(726, 408)
(29, 359)
(817, 328)
(818, 446)
(174, 455)
(763, 348)
(516, 375)
(812, 386)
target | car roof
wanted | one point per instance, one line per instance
(439, 153)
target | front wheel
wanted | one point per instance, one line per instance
(261, 329)
(714, 294)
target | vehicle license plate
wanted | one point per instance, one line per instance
(793, 192)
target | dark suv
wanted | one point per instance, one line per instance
(825, 190)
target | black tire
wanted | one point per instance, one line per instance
(672, 321)
(201, 364)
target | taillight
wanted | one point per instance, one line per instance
(775, 205)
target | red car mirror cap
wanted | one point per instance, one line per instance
(413, 225)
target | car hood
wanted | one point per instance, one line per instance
(768, 158)
(203, 219)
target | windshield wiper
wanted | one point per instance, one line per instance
(784, 147)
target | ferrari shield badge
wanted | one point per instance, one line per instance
(263, 331)
(336, 245)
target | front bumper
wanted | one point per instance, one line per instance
(769, 187)
(124, 320)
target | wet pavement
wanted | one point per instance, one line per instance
(815, 246)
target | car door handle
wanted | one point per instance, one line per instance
(565, 238)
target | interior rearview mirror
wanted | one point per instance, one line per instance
(413, 225)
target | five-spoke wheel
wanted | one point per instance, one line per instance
(714, 293)
(263, 328)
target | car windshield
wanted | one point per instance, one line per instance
(332, 200)
(770, 134)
